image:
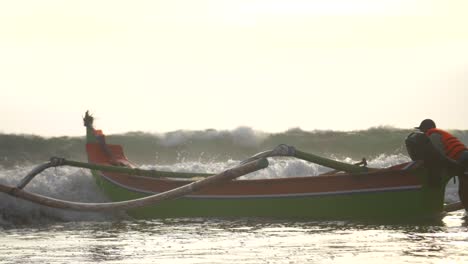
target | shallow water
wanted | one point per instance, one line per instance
(35, 234)
(236, 241)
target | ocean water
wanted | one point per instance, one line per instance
(235, 241)
(31, 233)
(211, 145)
(35, 234)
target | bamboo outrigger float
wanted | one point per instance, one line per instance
(412, 190)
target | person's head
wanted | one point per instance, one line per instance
(426, 124)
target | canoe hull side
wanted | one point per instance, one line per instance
(412, 202)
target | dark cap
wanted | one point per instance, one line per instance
(426, 124)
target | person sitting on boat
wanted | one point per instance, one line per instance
(451, 147)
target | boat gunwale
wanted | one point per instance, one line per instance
(380, 172)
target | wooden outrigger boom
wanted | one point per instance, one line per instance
(17, 191)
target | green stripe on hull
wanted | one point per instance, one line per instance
(406, 204)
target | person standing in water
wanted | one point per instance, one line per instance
(451, 147)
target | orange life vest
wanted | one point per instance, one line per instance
(98, 132)
(452, 146)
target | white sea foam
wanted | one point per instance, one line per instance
(279, 167)
(62, 183)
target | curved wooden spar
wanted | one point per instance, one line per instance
(131, 171)
(55, 162)
(290, 151)
(227, 175)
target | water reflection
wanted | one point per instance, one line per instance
(422, 245)
(247, 240)
(99, 253)
(204, 240)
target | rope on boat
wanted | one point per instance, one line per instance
(17, 191)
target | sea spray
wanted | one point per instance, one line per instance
(62, 183)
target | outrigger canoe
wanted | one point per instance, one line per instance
(411, 190)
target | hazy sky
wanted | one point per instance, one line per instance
(272, 65)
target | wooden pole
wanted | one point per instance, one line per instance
(337, 165)
(145, 201)
(290, 151)
(133, 171)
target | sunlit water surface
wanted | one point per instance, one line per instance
(236, 241)
(34, 234)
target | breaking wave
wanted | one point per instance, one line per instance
(63, 183)
(212, 145)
